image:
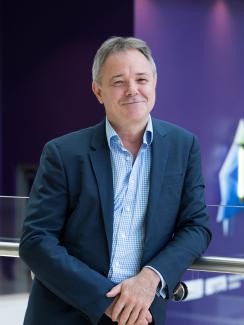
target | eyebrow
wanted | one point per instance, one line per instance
(142, 74)
(116, 76)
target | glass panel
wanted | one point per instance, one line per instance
(14, 275)
(215, 298)
(12, 212)
(227, 224)
(15, 279)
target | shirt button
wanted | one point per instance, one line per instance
(127, 158)
(117, 264)
(123, 235)
(127, 209)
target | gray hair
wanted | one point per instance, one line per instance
(119, 44)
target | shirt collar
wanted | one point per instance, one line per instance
(112, 135)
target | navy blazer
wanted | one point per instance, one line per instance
(67, 234)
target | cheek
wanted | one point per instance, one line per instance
(148, 90)
(113, 96)
(153, 93)
(153, 97)
(111, 102)
(150, 95)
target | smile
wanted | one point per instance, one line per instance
(134, 102)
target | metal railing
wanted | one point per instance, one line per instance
(219, 264)
(204, 264)
(9, 249)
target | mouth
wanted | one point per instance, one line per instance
(133, 102)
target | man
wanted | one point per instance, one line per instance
(116, 213)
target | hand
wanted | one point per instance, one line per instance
(108, 312)
(134, 297)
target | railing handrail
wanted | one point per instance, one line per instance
(13, 197)
(9, 249)
(219, 264)
(204, 264)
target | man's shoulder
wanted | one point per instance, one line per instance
(83, 134)
(165, 127)
(80, 139)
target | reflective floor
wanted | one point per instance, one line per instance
(12, 308)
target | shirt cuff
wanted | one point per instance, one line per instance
(162, 287)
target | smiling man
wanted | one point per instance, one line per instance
(116, 213)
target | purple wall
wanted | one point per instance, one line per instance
(48, 51)
(48, 48)
(199, 51)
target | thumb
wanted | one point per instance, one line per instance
(114, 291)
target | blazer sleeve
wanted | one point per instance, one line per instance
(63, 274)
(192, 234)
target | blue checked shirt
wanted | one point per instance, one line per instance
(131, 183)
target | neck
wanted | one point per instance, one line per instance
(131, 136)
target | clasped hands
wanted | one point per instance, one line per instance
(133, 298)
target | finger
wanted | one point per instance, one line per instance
(142, 317)
(149, 317)
(133, 316)
(117, 309)
(125, 315)
(114, 291)
(141, 322)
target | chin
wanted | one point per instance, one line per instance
(137, 111)
(138, 117)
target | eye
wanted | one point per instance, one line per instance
(142, 80)
(118, 83)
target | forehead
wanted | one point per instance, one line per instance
(124, 62)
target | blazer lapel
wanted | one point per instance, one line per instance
(160, 147)
(101, 163)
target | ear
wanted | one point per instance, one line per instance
(97, 91)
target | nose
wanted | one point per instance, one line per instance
(131, 89)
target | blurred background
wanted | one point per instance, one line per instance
(47, 49)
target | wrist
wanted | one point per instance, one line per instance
(151, 276)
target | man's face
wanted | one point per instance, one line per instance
(126, 88)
